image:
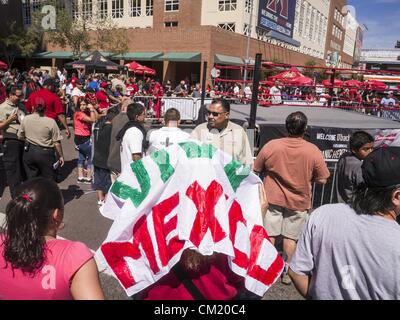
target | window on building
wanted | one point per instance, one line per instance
(102, 9)
(87, 9)
(26, 12)
(227, 5)
(229, 26)
(260, 34)
(117, 9)
(171, 5)
(171, 24)
(135, 8)
(301, 18)
(246, 29)
(321, 27)
(311, 31)
(75, 9)
(149, 7)
(36, 5)
(247, 6)
(307, 27)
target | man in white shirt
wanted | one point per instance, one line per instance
(77, 92)
(236, 90)
(169, 134)
(275, 94)
(388, 101)
(247, 92)
(133, 136)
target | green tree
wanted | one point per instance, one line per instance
(70, 32)
(16, 41)
(309, 72)
(109, 37)
(83, 34)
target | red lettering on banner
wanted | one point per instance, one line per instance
(258, 235)
(162, 229)
(273, 6)
(205, 202)
(115, 253)
(236, 216)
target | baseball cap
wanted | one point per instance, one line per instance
(81, 81)
(381, 168)
(104, 84)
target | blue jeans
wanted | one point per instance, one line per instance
(85, 154)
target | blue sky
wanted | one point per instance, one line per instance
(382, 18)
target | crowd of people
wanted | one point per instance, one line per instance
(110, 132)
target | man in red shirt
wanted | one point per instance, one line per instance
(131, 87)
(52, 102)
(102, 97)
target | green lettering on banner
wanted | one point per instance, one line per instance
(161, 158)
(123, 191)
(236, 179)
(193, 150)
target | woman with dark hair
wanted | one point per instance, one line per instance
(84, 117)
(34, 264)
(42, 143)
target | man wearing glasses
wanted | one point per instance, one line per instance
(224, 134)
(12, 146)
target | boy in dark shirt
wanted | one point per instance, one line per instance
(102, 178)
(348, 173)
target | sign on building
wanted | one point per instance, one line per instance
(277, 15)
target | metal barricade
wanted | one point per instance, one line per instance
(187, 106)
(324, 194)
(148, 103)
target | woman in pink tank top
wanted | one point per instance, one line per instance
(34, 264)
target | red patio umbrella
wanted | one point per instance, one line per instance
(139, 69)
(353, 84)
(375, 85)
(286, 75)
(301, 81)
(336, 83)
(149, 71)
(3, 65)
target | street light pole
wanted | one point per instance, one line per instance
(248, 43)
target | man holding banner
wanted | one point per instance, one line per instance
(188, 225)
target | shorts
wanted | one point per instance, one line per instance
(285, 222)
(102, 179)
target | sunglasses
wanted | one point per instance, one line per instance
(215, 114)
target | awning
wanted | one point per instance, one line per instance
(182, 56)
(41, 55)
(59, 55)
(230, 60)
(141, 56)
(65, 54)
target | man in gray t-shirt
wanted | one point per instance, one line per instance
(346, 253)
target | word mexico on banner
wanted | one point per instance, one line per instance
(188, 196)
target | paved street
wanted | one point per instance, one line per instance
(83, 222)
